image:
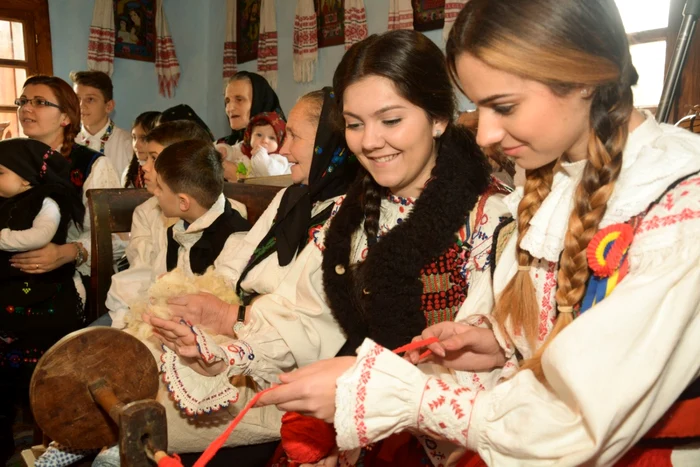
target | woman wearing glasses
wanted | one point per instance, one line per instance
(49, 111)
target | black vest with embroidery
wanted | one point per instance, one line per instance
(35, 309)
(81, 159)
(205, 251)
(407, 278)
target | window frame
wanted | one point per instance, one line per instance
(34, 16)
(688, 91)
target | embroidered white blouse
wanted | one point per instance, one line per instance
(293, 326)
(266, 276)
(613, 372)
(118, 148)
(44, 227)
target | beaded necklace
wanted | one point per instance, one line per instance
(105, 137)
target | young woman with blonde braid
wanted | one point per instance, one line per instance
(597, 295)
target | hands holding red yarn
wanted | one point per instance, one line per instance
(461, 347)
(309, 390)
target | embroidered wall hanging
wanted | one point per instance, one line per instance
(248, 29)
(330, 16)
(428, 14)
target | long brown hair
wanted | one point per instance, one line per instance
(69, 105)
(568, 45)
(416, 67)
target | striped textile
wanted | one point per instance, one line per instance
(267, 43)
(230, 53)
(167, 66)
(452, 9)
(101, 41)
(305, 45)
(355, 22)
(400, 14)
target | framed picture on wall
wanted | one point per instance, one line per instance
(135, 26)
(428, 14)
(247, 29)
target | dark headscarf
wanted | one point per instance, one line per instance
(264, 99)
(183, 112)
(265, 118)
(329, 176)
(333, 168)
(44, 169)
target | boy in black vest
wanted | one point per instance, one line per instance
(190, 184)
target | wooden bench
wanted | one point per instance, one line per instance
(111, 212)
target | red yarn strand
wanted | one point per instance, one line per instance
(214, 447)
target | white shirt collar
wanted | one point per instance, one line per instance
(85, 135)
(655, 156)
(204, 221)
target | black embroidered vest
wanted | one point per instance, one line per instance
(209, 246)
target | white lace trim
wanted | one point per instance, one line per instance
(193, 393)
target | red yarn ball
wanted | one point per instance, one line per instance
(306, 439)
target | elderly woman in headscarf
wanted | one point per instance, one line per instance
(247, 94)
(269, 260)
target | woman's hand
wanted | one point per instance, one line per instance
(45, 259)
(461, 347)
(309, 390)
(3, 127)
(205, 310)
(178, 337)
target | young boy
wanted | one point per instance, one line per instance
(95, 91)
(190, 186)
(149, 225)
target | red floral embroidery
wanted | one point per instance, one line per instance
(76, 178)
(657, 222)
(359, 416)
(550, 284)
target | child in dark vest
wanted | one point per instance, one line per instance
(190, 186)
(190, 190)
(37, 308)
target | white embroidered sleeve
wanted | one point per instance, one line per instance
(39, 235)
(235, 255)
(383, 394)
(613, 372)
(140, 246)
(102, 175)
(194, 393)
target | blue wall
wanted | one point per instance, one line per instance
(198, 30)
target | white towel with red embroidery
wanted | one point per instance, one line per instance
(400, 14)
(452, 9)
(230, 51)
(101, 41)
(355, 22)
(267, 43)
(167, 66)
(305, 44)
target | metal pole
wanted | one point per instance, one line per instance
(691, 12)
